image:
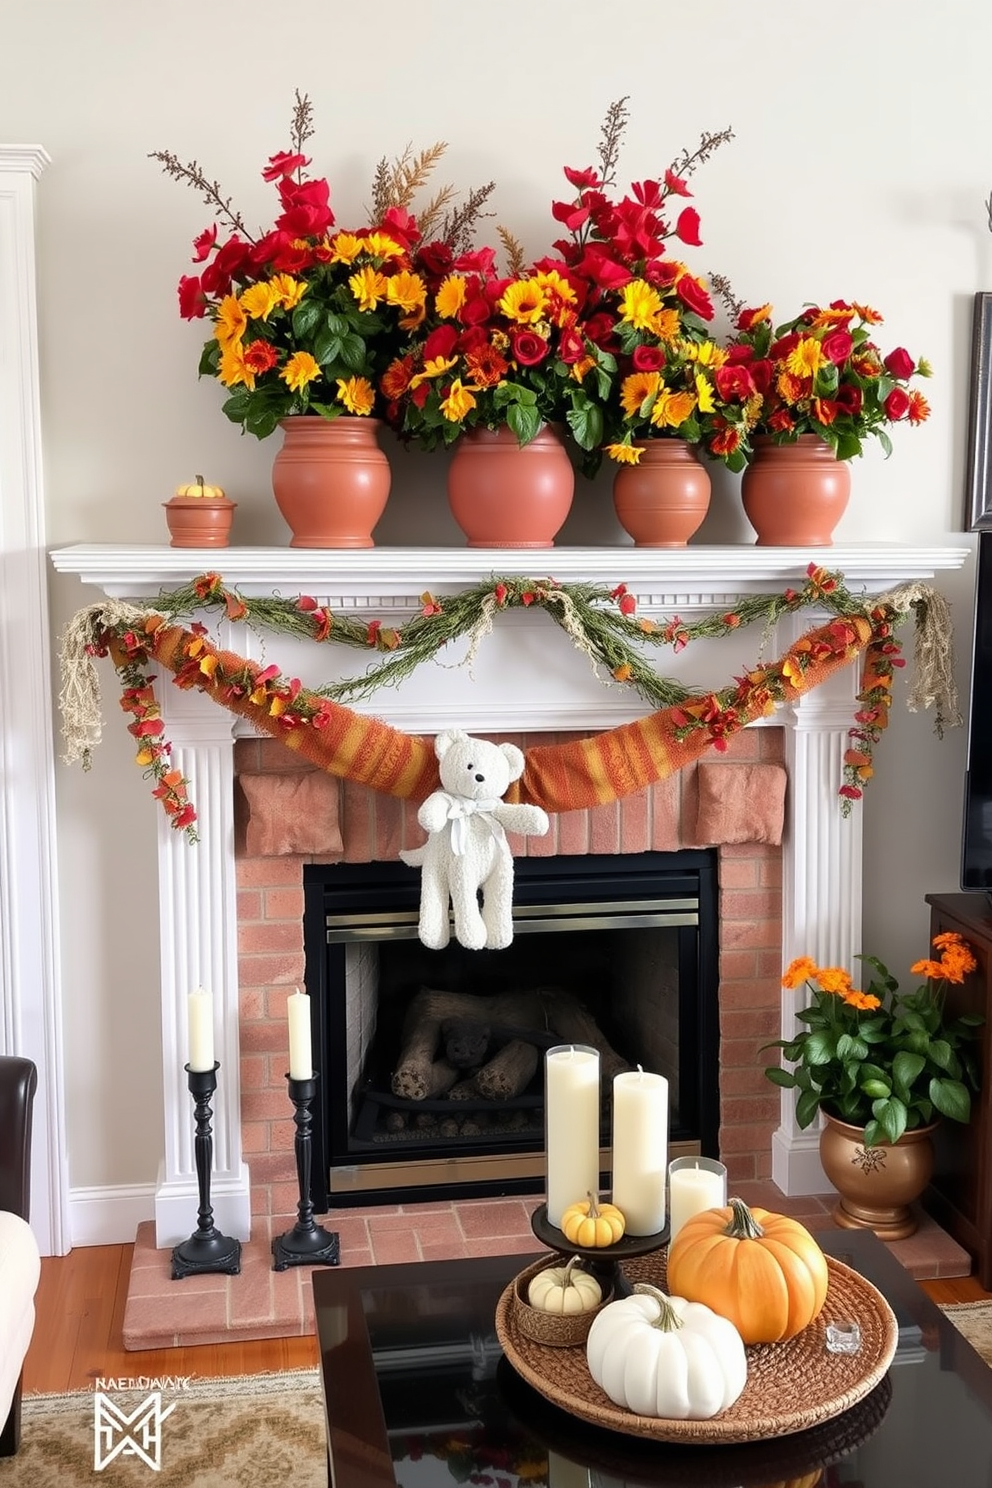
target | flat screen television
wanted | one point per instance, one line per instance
(976, 855)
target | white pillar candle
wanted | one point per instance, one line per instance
(300, 1051)
(571, 1104)
(640, 1149)
(694, 1184)
(200, 1015)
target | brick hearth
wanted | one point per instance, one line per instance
(375, 827)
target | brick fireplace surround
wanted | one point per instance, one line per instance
(375, 827)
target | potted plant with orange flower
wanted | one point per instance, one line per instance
(821, 387)
(883, 1067)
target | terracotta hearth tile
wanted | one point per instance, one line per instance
(389, 1247)
(504, 1217)
(445, 1251)
(156, 1281)
(524, 1245)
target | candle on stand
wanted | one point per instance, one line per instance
(640, 1150)
(300, 1052)
(571, 1106)
(694, 1184)
(200, 1015)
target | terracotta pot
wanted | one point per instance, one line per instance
(795, 494)
(199, 521)
(331, 480)
(876, 1185)
(662, 500)
(504, 495)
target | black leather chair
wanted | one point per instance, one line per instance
(18, 1083)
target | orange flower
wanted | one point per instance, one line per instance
(798, 971)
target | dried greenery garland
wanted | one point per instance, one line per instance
(600, 621)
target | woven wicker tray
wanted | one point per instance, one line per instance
(790, 1386)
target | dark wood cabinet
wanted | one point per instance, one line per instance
(960, 1195)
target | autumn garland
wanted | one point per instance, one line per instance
(600, 621)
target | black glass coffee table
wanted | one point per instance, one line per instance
(418, 1394)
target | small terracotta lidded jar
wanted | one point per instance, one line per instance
(199, 516)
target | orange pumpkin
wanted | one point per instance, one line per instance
(762, 1271)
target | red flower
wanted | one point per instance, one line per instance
(896, 404)
(687, 227)
(528, 348)
(692, 293)
(283, 164)
(899, 363)
(203, 245)
(192, 300)
(647, 358)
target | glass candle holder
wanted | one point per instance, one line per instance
(694, 1184)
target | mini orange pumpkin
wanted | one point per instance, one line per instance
(763, 1271)
(592, 1224)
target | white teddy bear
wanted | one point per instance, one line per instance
(466, 848)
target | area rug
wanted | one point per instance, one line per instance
(253, 1431)
(974, 1320)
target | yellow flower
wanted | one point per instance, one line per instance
(636, 389)
(580, 368)
(368, 286)
(805, 358)
(450, 297)
(345, 247)
(704, 394)
(624, 454)
(639, 304)
(300, 370)
(357, 394)
(406, 290)
(436, 367)
(523, 301)
(381, 245)
(288, 290)
(231, 321)
(666, 325)
(458, 402)
(232, 369)
(706, 353)
(258, 301)
(672, 409)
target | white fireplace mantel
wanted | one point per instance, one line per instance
(523, 678)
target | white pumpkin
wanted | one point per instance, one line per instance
(564, 1289)
(663, 1356)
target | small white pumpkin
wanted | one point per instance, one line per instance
(663, 1356)
(564, 1289)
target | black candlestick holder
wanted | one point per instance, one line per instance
(307, 1243)
(206, 1249)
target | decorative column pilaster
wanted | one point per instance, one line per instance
(198, 911)
(821, 881)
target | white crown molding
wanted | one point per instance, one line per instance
(21, 158)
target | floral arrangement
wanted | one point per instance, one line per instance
(606, 336)
(306, 316)
(879, 1058)
(822, 373)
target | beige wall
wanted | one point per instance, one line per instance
(859, 170)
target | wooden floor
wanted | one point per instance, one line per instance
(80, 1310)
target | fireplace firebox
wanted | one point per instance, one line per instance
(622, 949)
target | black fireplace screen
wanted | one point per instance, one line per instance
(431, 1062)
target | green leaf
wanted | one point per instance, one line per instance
(891, 1116)
(305, 318)
(848, 447)
(820, 1048)
(524, 421)
(951, 1098)
(586, 423)
(941, 1053)
(807, 1107)
(353, 353)
(876, 1088)
(906, 1067)
(785, 1078)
